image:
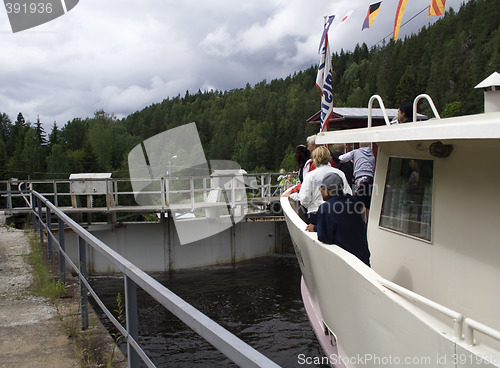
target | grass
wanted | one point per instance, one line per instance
(91, 346)
(44, 284)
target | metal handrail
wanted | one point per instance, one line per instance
(473, 325)
(431, 103)
(382, 107)
(457, 317)
(264, 188)
(415, 104)
(227, 343)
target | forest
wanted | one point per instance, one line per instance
(259, 126)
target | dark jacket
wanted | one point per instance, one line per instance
(339, 222)
(346, 167)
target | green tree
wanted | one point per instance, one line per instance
(17, 165)
(3, 160)
(55, 135)
(58, 162)
(5, 127)
(40, 132)
(252, 148)
(452, 109)
(406, 90)
(32, 156)
(74, 133)
(288, 162)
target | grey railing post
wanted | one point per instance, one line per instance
(56, 202)
(40, 216)
(82, 260)
(49, 231)
(132, 320)
(167, 191)
(115, 194)
(9, 195)
(33, 209)
(62, 260)
(269, 190)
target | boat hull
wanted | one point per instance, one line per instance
(367, 323)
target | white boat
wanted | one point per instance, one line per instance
(432, 295)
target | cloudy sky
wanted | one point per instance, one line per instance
(123, 55)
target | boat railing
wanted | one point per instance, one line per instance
(473, 325)
(431, 104)
(415, 104)
(382, 107)
(460, 324)
(457, 317)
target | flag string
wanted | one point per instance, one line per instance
(402, 25)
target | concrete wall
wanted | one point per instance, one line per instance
(156, 247)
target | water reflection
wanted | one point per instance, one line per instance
(258, 300)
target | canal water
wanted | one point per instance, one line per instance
(258, 300)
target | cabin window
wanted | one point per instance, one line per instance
(407, 205)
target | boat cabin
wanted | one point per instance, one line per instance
(434, 236)
(435, 212)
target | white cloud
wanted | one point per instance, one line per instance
(120, 55)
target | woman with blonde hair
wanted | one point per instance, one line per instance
(310, 194)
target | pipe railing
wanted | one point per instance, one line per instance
(227, 343)
(60, 188)
(382, 107)
(472, 325)
(415, 104)
(431, 104)
(455, 316)
(467, 325)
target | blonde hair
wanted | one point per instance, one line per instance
(321, 156)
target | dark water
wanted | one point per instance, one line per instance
(259, 301)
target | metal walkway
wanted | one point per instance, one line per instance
(94, 195)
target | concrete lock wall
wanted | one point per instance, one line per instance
(155, 246)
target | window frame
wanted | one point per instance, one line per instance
(430, 202)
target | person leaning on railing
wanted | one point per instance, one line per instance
(309, 194)
(339, 220)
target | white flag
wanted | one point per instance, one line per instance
(324, 81)
(325, 31)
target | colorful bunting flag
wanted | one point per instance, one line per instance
(436, 8)
(349, 13)
(343, 21)
(372, 13)
(399, 17)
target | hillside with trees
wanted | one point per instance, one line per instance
(259, 126)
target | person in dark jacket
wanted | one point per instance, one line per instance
(338, 150)
(339, 219)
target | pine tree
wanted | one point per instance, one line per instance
(54, 136)
(40, 132)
